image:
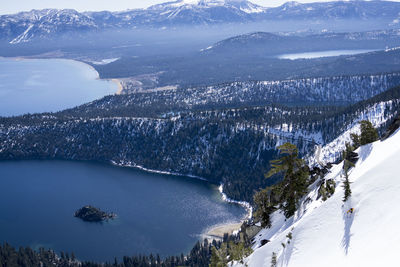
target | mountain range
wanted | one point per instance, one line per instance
(50, 23)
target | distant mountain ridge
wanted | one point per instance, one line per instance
(50, 23)
(257, 41)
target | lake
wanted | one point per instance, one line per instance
(329, 53)
(156, 213)
(44, 85)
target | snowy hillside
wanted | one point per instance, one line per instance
(323, 234)
(331, 151)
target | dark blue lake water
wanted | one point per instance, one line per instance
(156, 213)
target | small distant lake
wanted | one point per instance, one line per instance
(156, 213)
(41, 85)
(329, 53)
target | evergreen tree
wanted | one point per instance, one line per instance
(219, 257)
(274, 260)
(355, 139)
(263, 206)
(347, 164)
(294, 184)
(368, 133)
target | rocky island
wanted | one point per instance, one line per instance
(91, 214)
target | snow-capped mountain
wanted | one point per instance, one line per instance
(325, 234)
(335, 10)
(48, 23)
(242, 5)
(26, 26)
(188, 12)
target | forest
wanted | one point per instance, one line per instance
(10, 257)
(232, 146)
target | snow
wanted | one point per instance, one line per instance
(332, 151)
(181, 3)
(244, 6)
(22, 37)
(392, 49)
(208, 48)
(325, 235)
(105, 61)
(252, 9)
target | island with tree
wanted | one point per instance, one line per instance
(91, 214)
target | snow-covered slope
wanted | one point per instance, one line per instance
(323, 234)
(331, 151)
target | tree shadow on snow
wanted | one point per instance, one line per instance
(288, 253)
(364, 152)
(348, 219)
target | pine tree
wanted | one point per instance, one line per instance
(238, 251)
(347, 164)
(355, 138)
(294, 184)
(368, 133)
(219, 257)
(274, 260)
(264, 206)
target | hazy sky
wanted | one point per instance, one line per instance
(13, 6)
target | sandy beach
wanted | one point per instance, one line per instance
(218, 231)
(120, 87)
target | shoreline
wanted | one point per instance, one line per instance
(93, 69)
(214, 231)
(130, 165)
(119, 84)
(218, 231)
(244, 204)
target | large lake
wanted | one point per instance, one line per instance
(328, 53)
(41, 85)
(156, 213)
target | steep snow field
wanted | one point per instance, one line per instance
(325, 235)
